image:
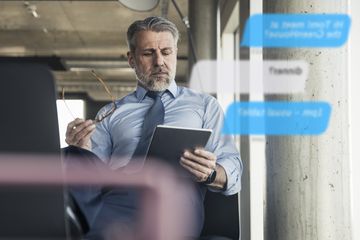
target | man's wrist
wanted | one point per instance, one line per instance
(220, 181)
(211, 178)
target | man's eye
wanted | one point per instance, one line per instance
(147, 53)
(168, 52)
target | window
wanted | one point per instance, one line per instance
(65, 115)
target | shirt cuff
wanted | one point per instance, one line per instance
(233, 184)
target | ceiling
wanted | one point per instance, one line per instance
(82, 35)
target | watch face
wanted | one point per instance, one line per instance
(211, 177)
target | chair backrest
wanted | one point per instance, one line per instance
(221, 216)
(28, 109)
(28, 125)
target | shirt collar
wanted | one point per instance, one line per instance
(141, 91)
(173, 89)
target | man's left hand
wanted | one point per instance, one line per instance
(199, 163)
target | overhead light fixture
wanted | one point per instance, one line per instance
(140, 5)
(87, 65)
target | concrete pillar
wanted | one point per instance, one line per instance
(203, 22)
(354, 87)
(245, 213)
(307, 193)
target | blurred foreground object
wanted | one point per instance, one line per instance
(159, 186)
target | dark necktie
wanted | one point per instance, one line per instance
(120, 197)
(154, 117)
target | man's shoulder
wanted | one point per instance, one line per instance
(188, 92)
(131, 97)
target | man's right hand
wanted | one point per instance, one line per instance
(78, 133)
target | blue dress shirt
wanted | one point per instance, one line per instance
(116, 137)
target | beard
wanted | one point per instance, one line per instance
(155, 81)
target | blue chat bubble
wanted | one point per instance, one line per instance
(296, 30)
(277, 118)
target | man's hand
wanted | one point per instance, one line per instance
(78, 133)
(200, 164)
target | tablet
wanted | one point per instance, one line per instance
(168, 143)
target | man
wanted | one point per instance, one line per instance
(153, 55)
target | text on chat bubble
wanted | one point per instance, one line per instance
(277, 118)
(296, 30)
(229, 76)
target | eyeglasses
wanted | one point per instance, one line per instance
(102, 116)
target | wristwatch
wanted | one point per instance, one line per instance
(211, 177)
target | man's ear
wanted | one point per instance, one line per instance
(131, 59)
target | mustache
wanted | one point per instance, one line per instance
(162, 71)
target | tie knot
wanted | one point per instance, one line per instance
(154, 94)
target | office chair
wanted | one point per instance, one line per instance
(29, 126)
(221, 217)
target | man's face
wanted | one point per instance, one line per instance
(154, 59)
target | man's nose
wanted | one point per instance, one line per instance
(159, 59)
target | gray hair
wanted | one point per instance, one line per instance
(156, 24)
